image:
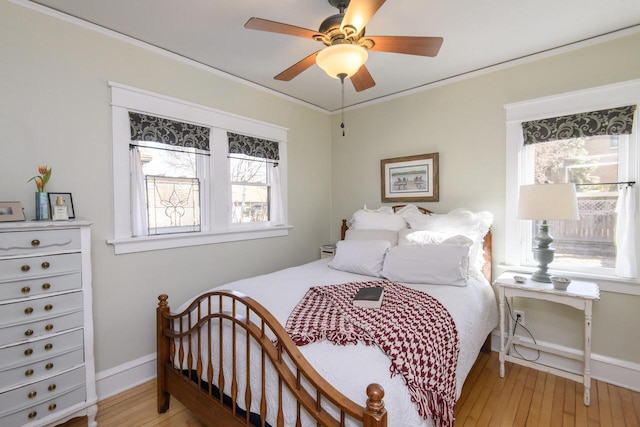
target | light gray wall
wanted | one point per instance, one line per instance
(465, 123)
(56, 111)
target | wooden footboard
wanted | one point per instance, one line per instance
(206, 353)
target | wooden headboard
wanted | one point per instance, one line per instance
(486, 246)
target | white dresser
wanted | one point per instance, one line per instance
(47, 372)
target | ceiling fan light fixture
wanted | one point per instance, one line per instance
(341, 59)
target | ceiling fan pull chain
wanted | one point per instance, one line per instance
(342, 76)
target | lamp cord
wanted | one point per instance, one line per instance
(516, 323)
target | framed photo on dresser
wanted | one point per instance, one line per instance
(11, 211)
(66, 199)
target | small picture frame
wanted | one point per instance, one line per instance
(410, 179)
(53, 197)
(11, 211)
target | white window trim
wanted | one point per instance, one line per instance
(598, 98)
(218, 230)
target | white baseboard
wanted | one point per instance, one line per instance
(604, 368)
(126, 376)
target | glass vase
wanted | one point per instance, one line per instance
(42, 206)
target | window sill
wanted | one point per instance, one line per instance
(613, 284)
(126, 245)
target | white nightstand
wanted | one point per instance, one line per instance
(579, 295)
(327, 251)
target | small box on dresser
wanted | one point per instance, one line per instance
(47, 371)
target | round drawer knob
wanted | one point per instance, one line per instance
(28, 372)
(49, 327)
(48, 346)
(35, 242)
(28, 352)
(25, 289)
(33, 414)
(49, 366)
(28, 310)
(52, 407)
(32, 395)
(25, 268)
(45, 265)
(46, 286)
(51, 387)
(28, 332)
(48, 307)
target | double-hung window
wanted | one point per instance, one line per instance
(588, 138)
(186, 175)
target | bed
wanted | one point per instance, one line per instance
(227, 356)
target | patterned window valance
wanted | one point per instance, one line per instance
(170, 132)
(254, 147)
(614, 121)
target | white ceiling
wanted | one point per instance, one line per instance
(477, 34)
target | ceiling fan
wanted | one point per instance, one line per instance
(346, 49)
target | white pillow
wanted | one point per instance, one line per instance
(389, 235)
(428, 264)
(360, 256)
(421, 237)
(367, 220)
(473, 225)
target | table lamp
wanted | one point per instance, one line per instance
(546, 202)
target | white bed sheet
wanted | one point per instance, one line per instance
(351, 368)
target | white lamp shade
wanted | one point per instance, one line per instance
(341, 59)
(548, 202)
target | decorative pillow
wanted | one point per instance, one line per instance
(381, 209)
(428, 264)
(360, 256)
(422, 237)
(473, 225)
(367, 220)
(388, 235)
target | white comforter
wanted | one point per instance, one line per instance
(351, 368)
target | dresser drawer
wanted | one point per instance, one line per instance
(42, 368)
(33, 351)
(44, 409)
(30, 242)
(40, 266)
(46, 390)
(45, 307)
(22, 332)
(40, 286)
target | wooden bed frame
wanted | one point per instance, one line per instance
(216, 312)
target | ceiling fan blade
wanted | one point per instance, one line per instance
(359, 13)
(362, 80)
(278, 27)
(423, 46)
(297, 68)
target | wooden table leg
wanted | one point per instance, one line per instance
(587, 353)
(502, 348)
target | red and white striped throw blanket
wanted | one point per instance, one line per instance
(413, 329)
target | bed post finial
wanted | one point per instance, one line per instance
(163, 300)
(374, 414)
(343, 229)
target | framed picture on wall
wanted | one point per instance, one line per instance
(410, 179)
(11, 211)
(66, 198)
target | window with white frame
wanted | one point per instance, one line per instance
(178, 182)
(587, 138)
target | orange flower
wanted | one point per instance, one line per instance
(42, 179)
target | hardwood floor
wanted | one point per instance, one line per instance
(525, 397)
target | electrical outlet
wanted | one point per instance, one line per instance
(519, 315)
